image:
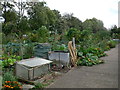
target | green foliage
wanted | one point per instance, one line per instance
(9, 60)
(93, 24)
(90, 56)
(73, 32)
(111, 44)
(27, 50)
(103, 34)
(40, 15)
(1, 34)
(73, 22)
(38, 86)
(87, 39)
(31, 37)
(10, 16)
(20, 32)
(9, 81)
(115, 32)
(62, 47)
(43, 34)
(8, 76)
(97, 52)
(9, 28)
(23, 25)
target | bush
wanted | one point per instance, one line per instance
(9, 60)
(28, 50)
(43, 34)
(10, 81)
(62, 47)
(38, 86)
(95, 51)
(8, 76)
(90, 56)
(73, 32)
(111, 43)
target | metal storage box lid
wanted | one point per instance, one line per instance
(34, 62)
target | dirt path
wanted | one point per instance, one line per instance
(98, 76)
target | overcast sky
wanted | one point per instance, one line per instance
(105, 10)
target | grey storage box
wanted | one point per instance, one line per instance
(62, 56)
(32, 68)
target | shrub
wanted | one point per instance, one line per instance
(38, 86)
(43, 34)
(10, 82)
(28, 50)
(111, 43)
(9, 60)
(95, 51)
(73, 32)
(90, 56)
(8, 76)
(88, 60)
(62, 47)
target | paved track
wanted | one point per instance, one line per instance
(98, 76)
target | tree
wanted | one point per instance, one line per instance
(10, 16)
(60, 24)
(40, 15)
(43, 34)
(9, 12)
(73, 32)
(115, 32)
(103, 34)
(73, 22)
(23, 25)
(93, 25)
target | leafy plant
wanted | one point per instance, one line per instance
(8, 76)
(62, 47)
(28, 50)
(9, 60)
(111, 43)
(73, 32)
(89, 60)
(9, 81)
(90, 56)
(38, 86)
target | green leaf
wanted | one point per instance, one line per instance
(80, 54)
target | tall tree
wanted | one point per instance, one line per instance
(93, 24)
(40, 15)
(9, 12)
(60, 24)
(73, 22)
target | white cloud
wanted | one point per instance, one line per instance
(105, 10)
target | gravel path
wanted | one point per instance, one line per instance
(98, 76)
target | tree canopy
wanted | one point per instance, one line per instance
(32, 16)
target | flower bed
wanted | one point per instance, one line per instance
(12, 85)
